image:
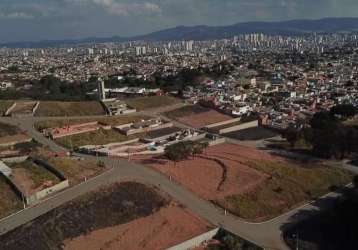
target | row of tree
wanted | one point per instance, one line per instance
(327, 134)
(185, 149)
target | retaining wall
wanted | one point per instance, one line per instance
(196, 241)
(223, 123)
(239, 127)
(35, 198)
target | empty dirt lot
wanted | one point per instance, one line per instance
(250, 183)
(128, 215)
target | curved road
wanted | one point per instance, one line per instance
(267, 234)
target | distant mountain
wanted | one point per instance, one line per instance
(294, 27)
(203, 32)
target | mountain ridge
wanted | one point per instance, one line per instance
(206, 32)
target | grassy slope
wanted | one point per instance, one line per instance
(70, 109)
(287, 186)
(98, 137)
(150, 102)
(115, 120)
(4, 105)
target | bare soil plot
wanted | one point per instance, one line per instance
(9, 201)
(169, 226)
(24, 107)
(197, 116)
(98, 137)
(252, 184)
(218, 173)
(95, 216)
(48, 108)
(150, 102)
(76, 170)
(31, 177)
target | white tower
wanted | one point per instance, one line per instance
(101, 90)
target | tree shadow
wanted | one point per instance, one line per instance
(323, 225)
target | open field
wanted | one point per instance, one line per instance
(76, 170)
(47, 108)
(98, 137)
(122, 216)
(114, 121)
(197, 116)
(143, 103)
(4, 106)
(31, 177)
(252, 134)
(6, 130)
(252, 184)
(185, 111)
(9, 202)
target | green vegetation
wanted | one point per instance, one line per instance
(183, 150)
(98, 137)
(287, 185)
(143, 103)
(329, 135)
(113, 121)
(37, 174)
(70, 109)
(9, 202)
(6, 130)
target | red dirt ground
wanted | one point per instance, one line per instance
(203, 176)
(167, 227)
(203, 119)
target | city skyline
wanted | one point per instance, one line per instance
(34, 20)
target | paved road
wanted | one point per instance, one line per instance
(267, 234)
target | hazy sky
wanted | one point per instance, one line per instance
(58, 19)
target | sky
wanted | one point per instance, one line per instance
(33, 20)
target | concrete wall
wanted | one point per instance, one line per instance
(217, 142)
(35, 198)
(8, 111)
(15, 159)
(196, 241)
(239, 127)
(223, 123)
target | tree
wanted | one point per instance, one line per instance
(344, 110)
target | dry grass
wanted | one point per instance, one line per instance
(76, 170)
(70, 109)
(288, 185)
(143, 103)
(9, 202)
(113, 121)
(98, 137)
(38, 175)
(4, 106)
(6, 130)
